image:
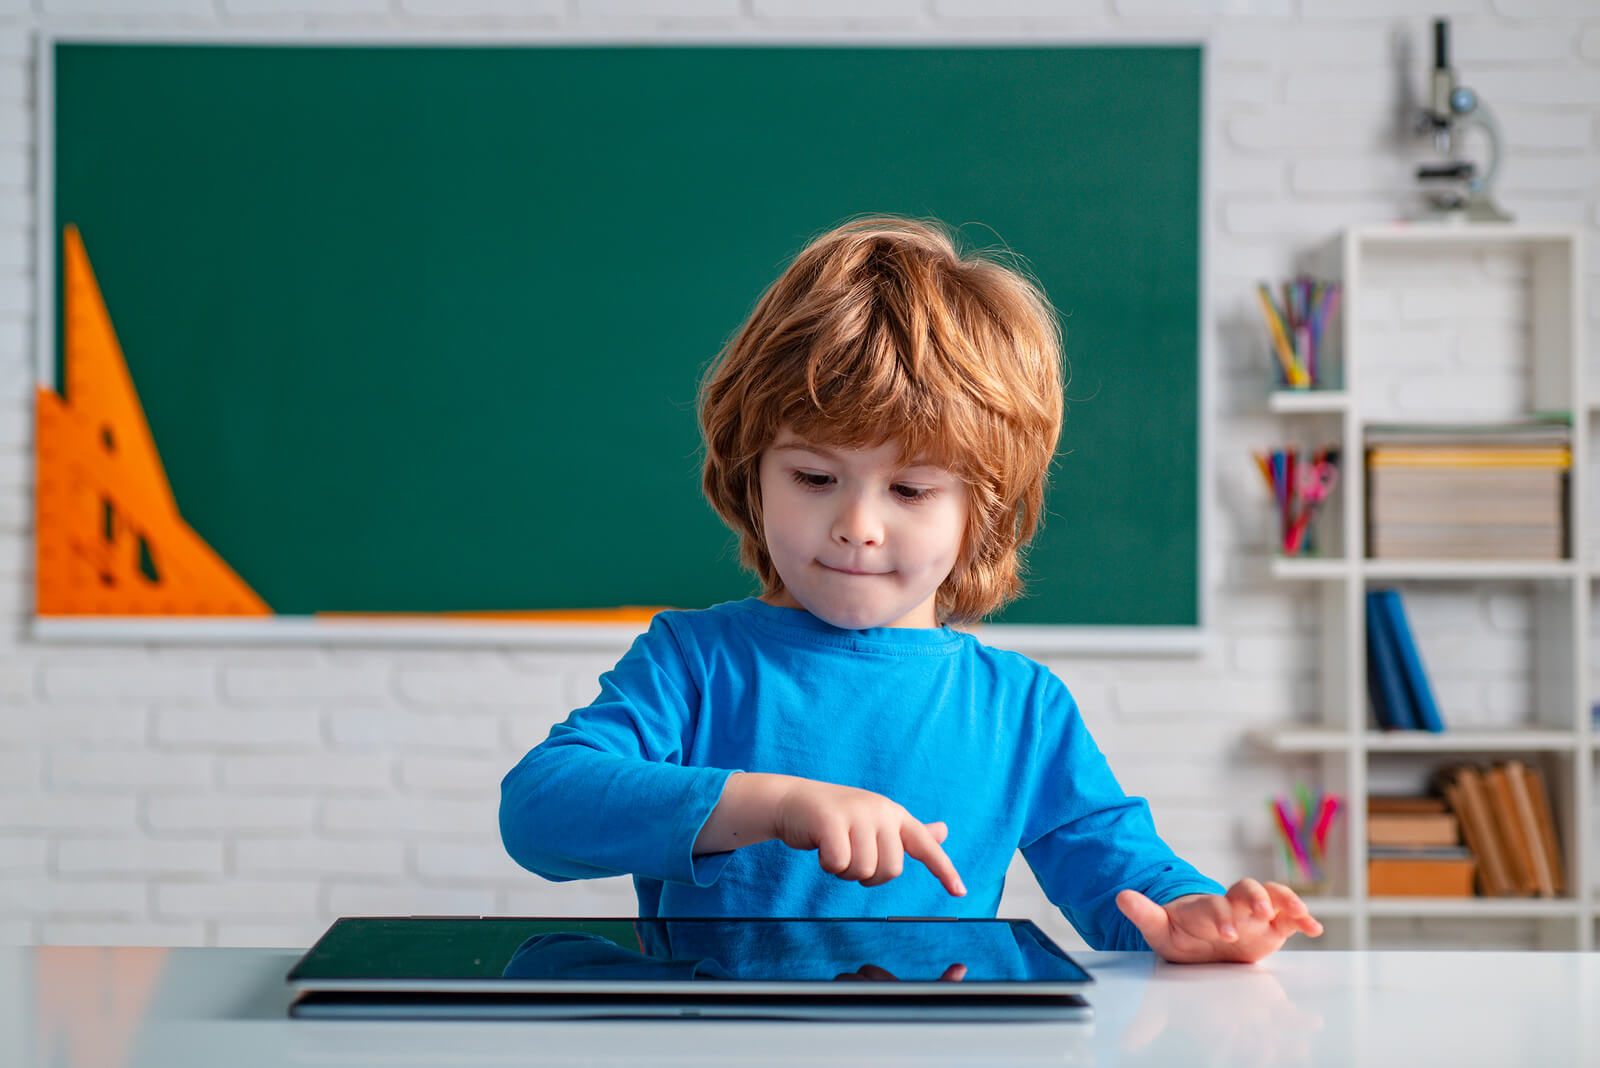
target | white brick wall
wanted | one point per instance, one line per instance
(248, 796)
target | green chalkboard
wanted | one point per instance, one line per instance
(418, 328)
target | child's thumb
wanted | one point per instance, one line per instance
(1150, 918)
(939, 831)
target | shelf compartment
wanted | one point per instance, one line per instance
(1519, 635)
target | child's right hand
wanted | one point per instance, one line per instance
(860, 835)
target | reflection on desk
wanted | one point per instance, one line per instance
(141, 1008)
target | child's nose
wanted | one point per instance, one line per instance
(858, 523)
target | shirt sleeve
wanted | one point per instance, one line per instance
(607, 793)
(1086, 840)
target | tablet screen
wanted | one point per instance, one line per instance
(572, 951)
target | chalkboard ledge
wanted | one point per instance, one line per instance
(306, 630)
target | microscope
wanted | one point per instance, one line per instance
(1455, 190)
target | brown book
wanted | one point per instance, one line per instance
(1540, 796)
(1463, 788)
(1453, 796)
(1419, 877)
(1412, 829)
(1517, 783)
(1518, 852)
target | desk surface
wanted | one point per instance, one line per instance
(130, 1008)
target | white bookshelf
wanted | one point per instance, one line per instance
(1542, 276)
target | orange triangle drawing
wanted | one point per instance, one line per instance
(110, 541)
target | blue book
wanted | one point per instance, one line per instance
(1385, 685)
(1415, 675)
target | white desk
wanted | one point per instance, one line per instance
(132, 1008)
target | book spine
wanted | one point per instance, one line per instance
(1389, 693)
(1492, 859)
(1540, 797)
(1416, 676)
(1528, 824)
(1519, 858)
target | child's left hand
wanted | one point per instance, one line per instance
(1249, 923)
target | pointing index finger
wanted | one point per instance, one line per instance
(920, 843)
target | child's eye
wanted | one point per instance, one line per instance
(816, 480)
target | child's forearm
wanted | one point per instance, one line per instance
(745, 814)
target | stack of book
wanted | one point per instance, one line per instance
(1504, 813)
(1414, 849)
(1491, 491)
(1397, 683)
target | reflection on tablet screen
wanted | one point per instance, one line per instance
(787, 951)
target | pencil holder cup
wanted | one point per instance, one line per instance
(1299, 317)
(1307, 841)
(1313, 884)
(1302, 486)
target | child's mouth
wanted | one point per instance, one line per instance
(848, 571)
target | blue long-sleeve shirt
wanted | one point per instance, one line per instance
(986, 740)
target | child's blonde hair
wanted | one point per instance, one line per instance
(882, 330)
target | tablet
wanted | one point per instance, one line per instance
(501, 967)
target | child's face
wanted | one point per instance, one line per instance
(859, 539)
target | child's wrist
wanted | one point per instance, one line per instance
(764, 794)
(752, 800)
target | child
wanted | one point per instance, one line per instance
(878, 434)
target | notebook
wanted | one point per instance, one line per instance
(551, 967)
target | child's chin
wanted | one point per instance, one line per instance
(852, 618)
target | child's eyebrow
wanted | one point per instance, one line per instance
(803, 446)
